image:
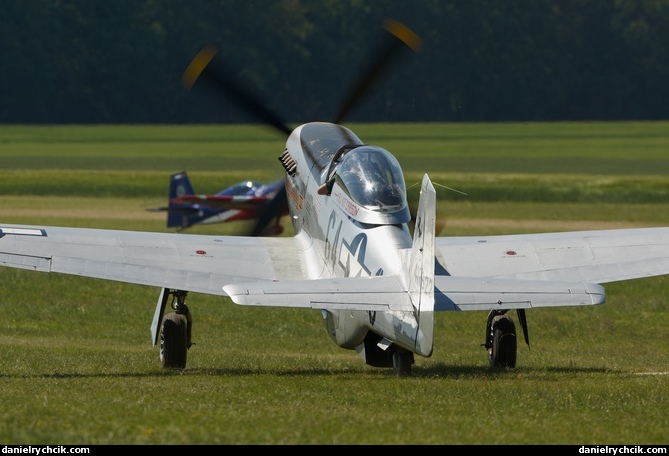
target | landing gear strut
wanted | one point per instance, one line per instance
(500, 339)
(175, 333)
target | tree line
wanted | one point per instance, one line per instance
(121, 61)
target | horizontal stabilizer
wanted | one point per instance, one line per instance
(366, 293)
(466, 293)
(31, 262)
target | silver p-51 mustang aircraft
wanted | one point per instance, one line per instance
(352, 257)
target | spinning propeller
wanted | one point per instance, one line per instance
(206, 69)
(400, 36)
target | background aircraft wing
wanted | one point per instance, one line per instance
(584, 256)
(225, 201)
(167, 260)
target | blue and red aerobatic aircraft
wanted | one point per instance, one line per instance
(246, 200)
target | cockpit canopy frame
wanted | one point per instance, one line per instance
(370, 178)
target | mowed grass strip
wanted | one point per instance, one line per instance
(77, 365)
(473, 187)
(573, 148)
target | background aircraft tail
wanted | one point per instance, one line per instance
(178, 216)
(180, 185)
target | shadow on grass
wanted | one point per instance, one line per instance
(436, 371)
(448, 370)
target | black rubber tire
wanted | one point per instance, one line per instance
(504, 344)
(173, 348)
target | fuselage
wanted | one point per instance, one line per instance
(350, 231)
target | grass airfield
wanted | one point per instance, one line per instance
(77, 365)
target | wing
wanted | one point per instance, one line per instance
(584, 256)
(251, 270)
(181, 261)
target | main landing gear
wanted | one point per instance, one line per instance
(175, 331)
(500, 339)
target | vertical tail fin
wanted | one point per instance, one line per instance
(419, 273)
(180, 185)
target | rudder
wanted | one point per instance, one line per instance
(420, 270)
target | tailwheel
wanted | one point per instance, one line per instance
(402, 361)
(501, 340)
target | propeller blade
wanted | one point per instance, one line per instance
(277, 207)
(211, 71)
(204, 68)
(400, 35)
(522, 319)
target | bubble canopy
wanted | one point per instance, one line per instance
(372, 178)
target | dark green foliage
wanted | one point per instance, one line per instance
(80, 61)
